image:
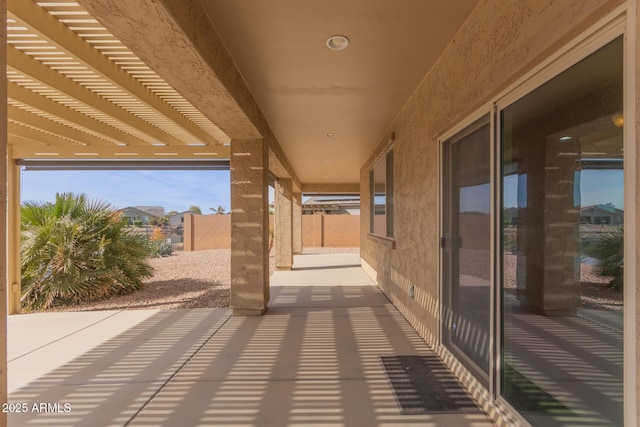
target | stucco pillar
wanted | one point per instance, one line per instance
(634, 217)
(297, 223)
(13, 256)
(3, 212)
(283, 224)
(249, 227)
(552, 243)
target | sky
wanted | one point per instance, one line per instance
(173, 190)
(596, 187)
(178, 190)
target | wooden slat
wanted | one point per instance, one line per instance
(55, 32)
(51, 78)
(28, 97)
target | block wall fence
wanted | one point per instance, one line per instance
(202, 232)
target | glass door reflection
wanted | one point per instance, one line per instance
(466, 247)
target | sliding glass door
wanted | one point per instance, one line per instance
(466, 247)
(562, 199)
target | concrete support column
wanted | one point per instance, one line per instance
(550, 238)
(13, 222)
(297, 223)
(283, 226)
(3, 212)
(249, 227)
(561, 229)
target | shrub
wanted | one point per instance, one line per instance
(160, 249)
(609, 251)
(77, 249)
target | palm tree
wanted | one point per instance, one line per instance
(77, 249)
(220, 210)
(195, 209)
(609, 251)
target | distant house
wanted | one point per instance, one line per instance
(178, 219)
(136, 214)
(157, 211)
(332, 205)
(601, 215)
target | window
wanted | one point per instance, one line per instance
(381, 192)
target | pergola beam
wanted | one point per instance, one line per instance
(39, 72)
(30, 119)
(20, 140)
(36, 136)
(331, 188)
(58, 34)
(42, 103)
(71, 151)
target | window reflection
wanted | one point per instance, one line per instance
(562, 347)
(381, 192)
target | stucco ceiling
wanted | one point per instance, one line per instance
(77, 91)
(306, 90)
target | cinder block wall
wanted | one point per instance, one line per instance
(202, 232)
(341, 231)
(312, 231)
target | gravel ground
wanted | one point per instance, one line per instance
(594, 292)
(184, 280)
(202, 279)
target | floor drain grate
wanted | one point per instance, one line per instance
(423, 385)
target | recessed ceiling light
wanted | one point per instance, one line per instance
(337, 42)
(330, 134)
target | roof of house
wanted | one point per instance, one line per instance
(153, 210)
(332, 200)
(134, 211)
(609, 207)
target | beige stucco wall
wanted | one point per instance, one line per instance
(499, 44)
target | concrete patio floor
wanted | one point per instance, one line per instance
(312, 360)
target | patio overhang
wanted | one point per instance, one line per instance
(75, 91)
